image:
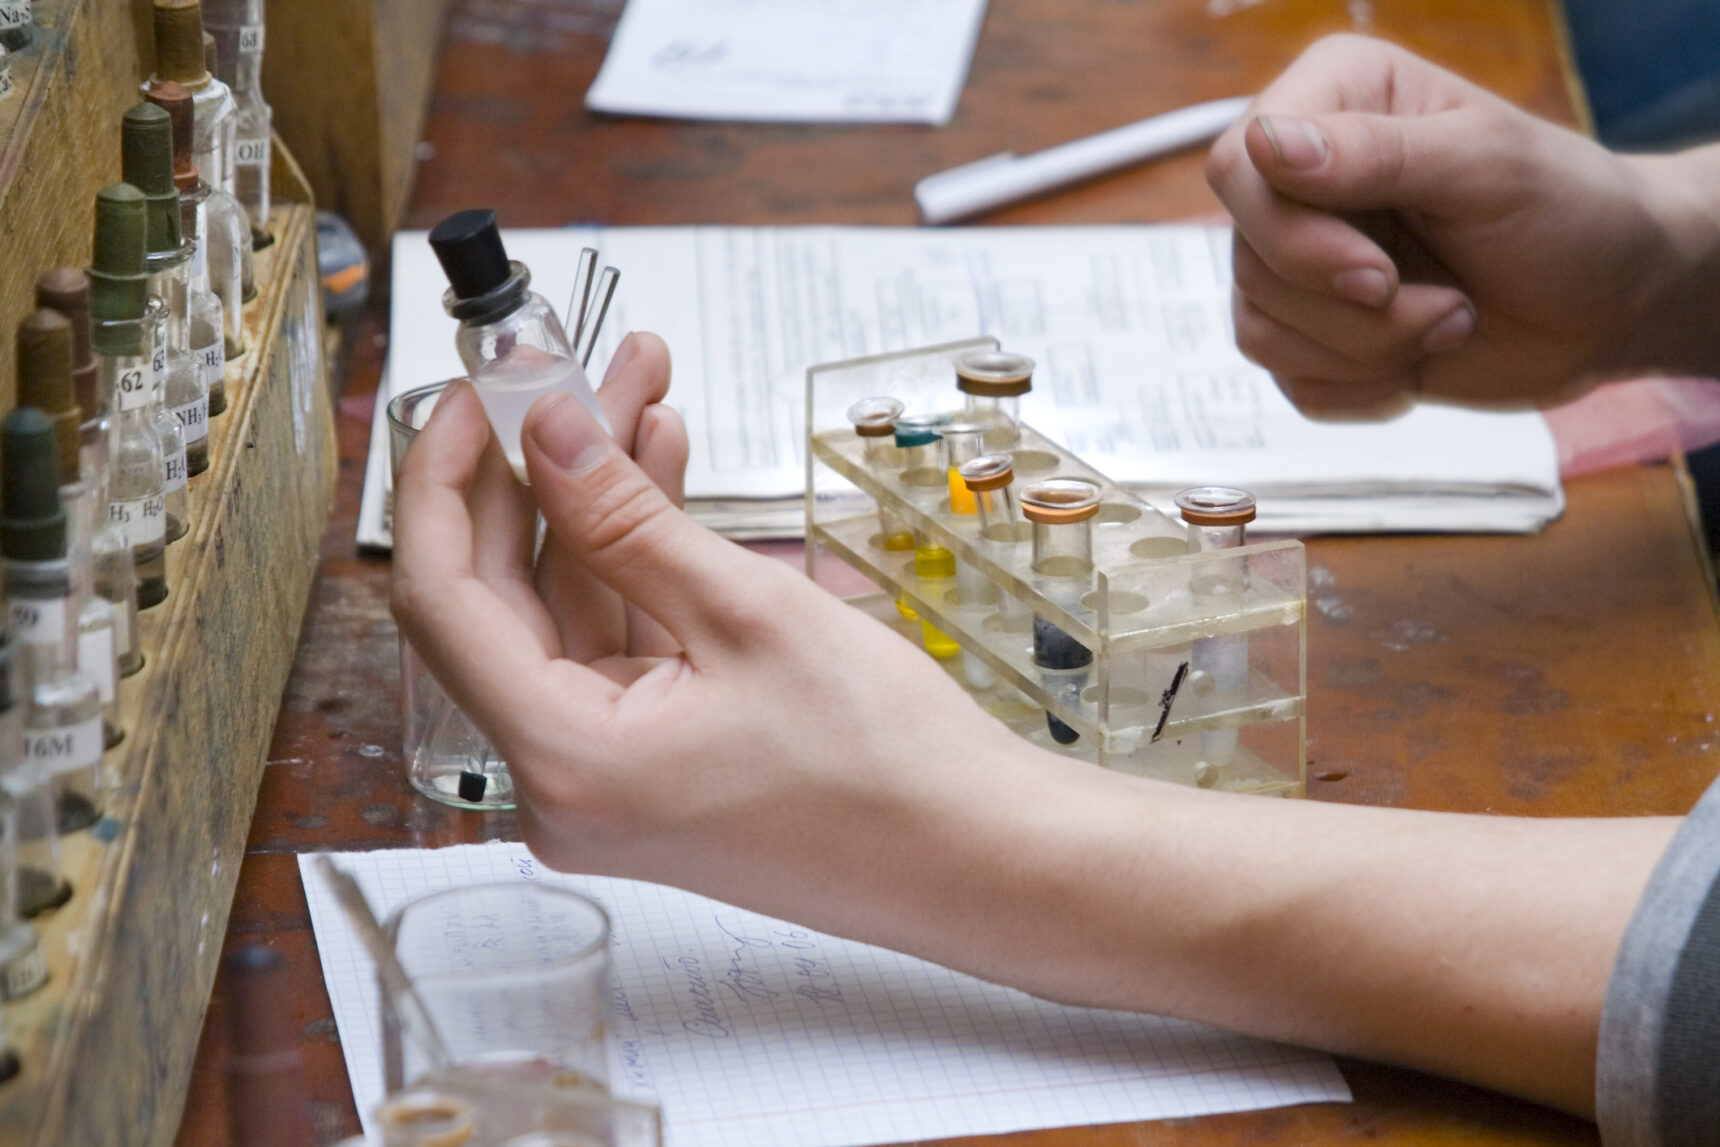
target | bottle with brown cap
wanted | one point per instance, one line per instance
(67, 290)
(17, 25)
(207, 312)
(45, 341)
(237, 26)
(119, 306)
(62, 711)
(147, 150)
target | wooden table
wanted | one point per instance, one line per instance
(1573, 673)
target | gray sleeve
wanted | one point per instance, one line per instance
(1657, 1076)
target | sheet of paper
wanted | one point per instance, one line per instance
(752, 1032)
(799, 61)
(1138, 369)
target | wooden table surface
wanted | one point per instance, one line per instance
(1572, 673)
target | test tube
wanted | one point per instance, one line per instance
(962, 444)
(425, 1117)
(989, 479)
(1217, 518)
(874, 421)
(925, 474)
(1062, 510)
(994, 381)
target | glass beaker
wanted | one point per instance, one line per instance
(448, 758)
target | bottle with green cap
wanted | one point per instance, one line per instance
(207, 312)
(62, 709)
(35, 820)
(120, 334)
(45, 383)
(146, 138)
(66, 291)
(17, 25)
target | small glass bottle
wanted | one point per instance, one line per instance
(45, 383)
(206, 312)
(990, 478)
(238, 29)
(67, 291)
(121, 335)
(62, 715)
(35, 809)
(23, 967)
(17, 25)
(994, 382)
(1062, 511)
(147, 147)
(513, 346)
(423, 1117)
(974, 591)
(1217, 518)
(925, 476)
(874, 422)
(6, 84)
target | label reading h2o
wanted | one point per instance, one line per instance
(14, 14)
(251, 38)
(131, 389)
(214, 360)
(252, 152)
(96, 659)
(173, 471)
(144, 520)
(38, 621)
(65, 748)
(194, 419)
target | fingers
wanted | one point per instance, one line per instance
(637, 377)
(504, 534)
(661, 450)
(616, 521)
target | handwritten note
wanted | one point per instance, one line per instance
(751, 1031)
(800, 61)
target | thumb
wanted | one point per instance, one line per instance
(620, 525)
(1353, 161)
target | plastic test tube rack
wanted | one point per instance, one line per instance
(1156, 612)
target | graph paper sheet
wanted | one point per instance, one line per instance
(752, 1032)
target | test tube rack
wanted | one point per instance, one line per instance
(1156, 609)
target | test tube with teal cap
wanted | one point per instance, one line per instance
(1217, 518)
(925, 476)
(1062, 511)
(874, 421)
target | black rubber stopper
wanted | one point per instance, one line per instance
(469, 247)
(472, 786)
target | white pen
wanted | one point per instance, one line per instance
(1007, 177)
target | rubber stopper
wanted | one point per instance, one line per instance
(119, 281)
(32, 521)
(146, 150)
(469, 247)
(45, 381)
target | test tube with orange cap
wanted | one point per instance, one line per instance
(874, 421)
(994, 381)
(1217, 518)
(1062, 511)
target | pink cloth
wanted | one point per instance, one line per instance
(1638, 420)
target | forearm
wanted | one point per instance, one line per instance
(1473, 947)
(1676, 331)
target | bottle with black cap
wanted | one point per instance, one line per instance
(121, 336)
(45, 383)
(514, 348)
(62, 710)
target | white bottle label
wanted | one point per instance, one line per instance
(173, 471)
(121, 631)
(252, 152)
(214, 360)
(14, 14)
(158, 364)
(143, 520)
(65, 748)
(5, 79)
(131, 389)
(194, 419)
(38, 621)
(251, 38)
(96, 659)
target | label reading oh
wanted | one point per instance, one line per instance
(252, 152)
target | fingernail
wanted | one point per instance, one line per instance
(1450, 332)
(567, 435)
(1295, 141)
(1365, 285)
(619, 359)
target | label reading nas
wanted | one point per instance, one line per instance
(14, 14)
(65, 748)
(194, 418)
(38, 621)
(252, 152)
(131, 389)
(144, 520)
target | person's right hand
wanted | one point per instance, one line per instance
(1400, 232)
